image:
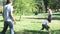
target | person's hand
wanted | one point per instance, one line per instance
(14, 22)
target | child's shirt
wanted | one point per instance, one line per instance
(45, 22)
(50, 11)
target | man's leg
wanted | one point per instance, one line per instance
(5, 28)
(11, 28)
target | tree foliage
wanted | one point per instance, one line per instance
(30, 6)
(24, 6)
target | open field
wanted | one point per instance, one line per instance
(32, 24)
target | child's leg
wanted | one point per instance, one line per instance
(42, 27)
(47, 28)
(49, 32)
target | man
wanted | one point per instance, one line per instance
(8, 17)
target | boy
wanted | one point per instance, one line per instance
(44, 25)
(50, 14)
(8, 17)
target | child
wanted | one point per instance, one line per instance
(44, 25)
(50, 14)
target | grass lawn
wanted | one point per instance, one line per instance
(32, 24)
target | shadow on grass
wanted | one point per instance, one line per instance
(1, 20)
(37, 32)
(31, 32)
(34, 32)
(57, 14)
(54, 18)
(55, 32)
(1, 27)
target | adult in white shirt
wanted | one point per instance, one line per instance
(8, 17)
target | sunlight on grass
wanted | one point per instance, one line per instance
(33, 26)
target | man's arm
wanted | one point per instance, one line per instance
(12, 17)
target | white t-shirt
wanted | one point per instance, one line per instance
(50, 11)
(6, 12)
(45, 22)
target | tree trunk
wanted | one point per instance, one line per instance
(46, 4)
(43, 7)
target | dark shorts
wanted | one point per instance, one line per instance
(45, 27)
(50, 18)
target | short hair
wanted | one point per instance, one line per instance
(8, 1)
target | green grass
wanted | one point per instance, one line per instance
(33, 26)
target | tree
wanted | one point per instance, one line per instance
(54, 4)
(46, 4)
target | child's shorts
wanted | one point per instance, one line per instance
(50, 18)
(45, 27)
